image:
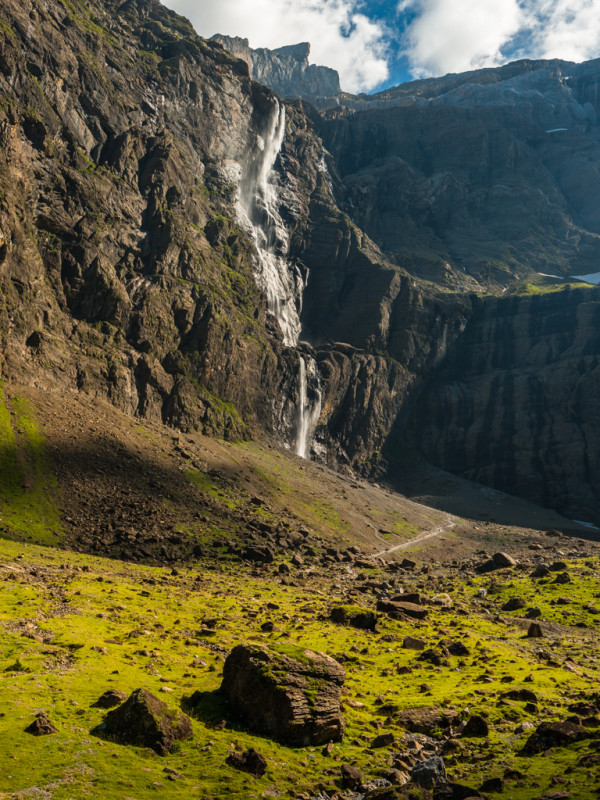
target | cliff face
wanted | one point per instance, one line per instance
(516, 402)
(285, 70)
(123, 270)
(147, 198)
(177, 239)
(474, 181)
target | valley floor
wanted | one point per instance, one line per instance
(207, 542)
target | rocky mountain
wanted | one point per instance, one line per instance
(286, 70)
(180, 241)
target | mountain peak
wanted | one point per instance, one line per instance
(285, 70)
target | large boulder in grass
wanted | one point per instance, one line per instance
(553, 734)
(145, 721)
(286, 692)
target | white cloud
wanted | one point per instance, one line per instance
(340, 35)
(568, 29)
(457, 35)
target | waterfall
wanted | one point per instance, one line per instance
(309, 406)
(258, 209)
(258, 213)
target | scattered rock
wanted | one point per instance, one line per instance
(430, 773)
(540, 571)
(535, 631)
(427, 719)
(410, 643)
(250, 761)
(351, 777)
(41, 726)
(497, 561)
(145, 721)
(514, 604)
(455, 791)
(401, 610)
(492, 785)
(521, 695)
(259, 553)
(476, 726)
(355, 616)
(286, 692)
(562, 578)
(383, 740)
(110, 699)
(553, 734)
(436, 656)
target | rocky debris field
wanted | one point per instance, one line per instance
(412, 679)
(181, 616)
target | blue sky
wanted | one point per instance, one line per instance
(379, 43)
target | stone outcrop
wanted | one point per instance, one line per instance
(286, 70)
(145, 721)
(288, 693)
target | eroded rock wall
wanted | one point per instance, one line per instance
(516, 403)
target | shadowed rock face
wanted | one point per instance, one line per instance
(472, 180)
(513, 405)
(292, 696)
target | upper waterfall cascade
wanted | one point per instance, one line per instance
(258, 209)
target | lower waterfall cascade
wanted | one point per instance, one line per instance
(309, 405)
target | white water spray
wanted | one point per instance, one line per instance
(309, 408)
(258, 209)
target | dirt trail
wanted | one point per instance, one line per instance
(423, 537)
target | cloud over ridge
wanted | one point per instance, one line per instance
(457, 35)
(341, 35)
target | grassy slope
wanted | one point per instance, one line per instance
(105, 624)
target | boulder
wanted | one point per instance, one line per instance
(41, 726)
(286, 692)
(145, 721)
(553, 734)
(110, 699)
(355, 616)
(430, 773)
(250, 761)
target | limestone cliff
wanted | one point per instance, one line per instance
(286, 70)
(475, 180)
